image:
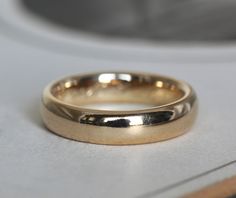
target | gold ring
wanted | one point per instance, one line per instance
(172, 111)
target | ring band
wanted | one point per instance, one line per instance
(173, 110)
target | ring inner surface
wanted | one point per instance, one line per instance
(118, 88)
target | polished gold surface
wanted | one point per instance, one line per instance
(172, 111)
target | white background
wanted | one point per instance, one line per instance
(37, 163)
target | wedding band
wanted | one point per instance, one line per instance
(172, 111)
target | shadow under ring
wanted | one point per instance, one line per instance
(172, 113)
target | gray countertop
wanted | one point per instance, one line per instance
(37, 163)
